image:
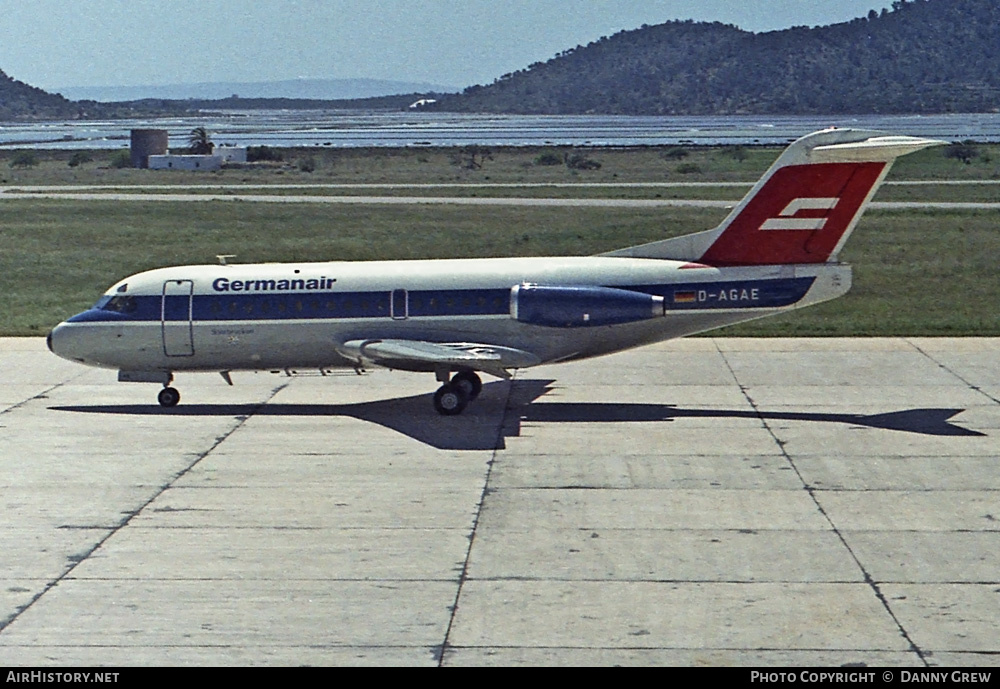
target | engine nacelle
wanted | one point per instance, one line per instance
(568, 306)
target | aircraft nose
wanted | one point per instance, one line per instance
(62, 343)
(53, 345)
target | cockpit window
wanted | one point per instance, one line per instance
(120, 304)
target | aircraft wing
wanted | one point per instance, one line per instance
(417, 355)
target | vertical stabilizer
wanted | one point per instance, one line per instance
(804, 207)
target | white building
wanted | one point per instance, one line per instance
(221, 155)
(185, 162)
(231, 154)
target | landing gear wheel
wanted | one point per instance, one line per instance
(469, 382)
(450, 400)
(168, 397)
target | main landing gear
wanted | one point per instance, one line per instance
(168, 397)
(452, 397)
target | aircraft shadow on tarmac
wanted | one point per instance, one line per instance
(483, 427)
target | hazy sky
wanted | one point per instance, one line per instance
(55, 43)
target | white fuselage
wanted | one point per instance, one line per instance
(285, 316)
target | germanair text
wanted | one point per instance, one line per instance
(295, 285)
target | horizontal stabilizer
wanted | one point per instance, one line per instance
(874, 149)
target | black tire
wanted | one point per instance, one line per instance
(470, 383)
(168, 397)
(450, 400)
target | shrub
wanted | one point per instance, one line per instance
(121, 160)
(24, 159)
(579, 161)
(688, 169)
(263, 154)
(549, 158)
(79, 158)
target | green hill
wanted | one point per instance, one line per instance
(925, 56)
(20, 101)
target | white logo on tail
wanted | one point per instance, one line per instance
(787, 221)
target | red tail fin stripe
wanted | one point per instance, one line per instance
(798, 216)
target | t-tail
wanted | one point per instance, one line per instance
(802, 210)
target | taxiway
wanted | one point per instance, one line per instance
(700, 502)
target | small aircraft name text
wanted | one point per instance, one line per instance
(227, 285)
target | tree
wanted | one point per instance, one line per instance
(200, 141)
(964, 151)
(473, 156)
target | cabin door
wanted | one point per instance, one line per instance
(177, 317)
(399, 304)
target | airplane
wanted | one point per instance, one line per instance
(777, 250)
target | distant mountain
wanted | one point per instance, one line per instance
(926, 56)
(400, 101)
(299, 89)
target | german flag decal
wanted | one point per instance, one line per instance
(685, 297)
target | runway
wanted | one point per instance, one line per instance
(707, 501)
